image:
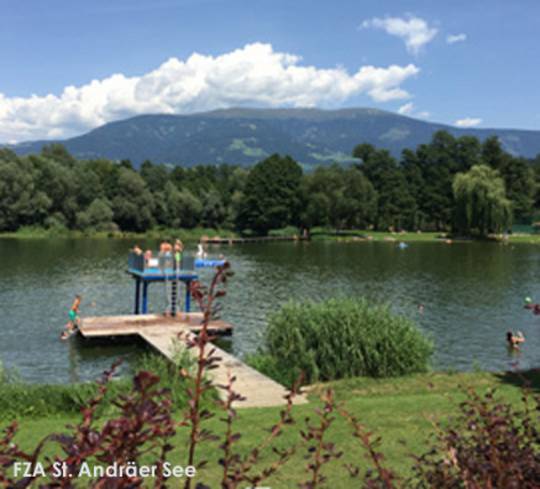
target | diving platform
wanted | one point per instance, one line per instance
(167, 335)
(165, 268)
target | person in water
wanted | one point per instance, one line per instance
(514, 340)
(74, 319)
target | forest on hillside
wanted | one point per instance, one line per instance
(451, 184)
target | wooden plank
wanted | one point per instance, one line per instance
(259, 390)
(133, 323)
(167, 335)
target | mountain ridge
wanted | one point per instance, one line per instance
(247, 135)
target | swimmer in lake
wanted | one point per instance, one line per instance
(514, 340)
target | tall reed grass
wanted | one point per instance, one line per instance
(340, 338)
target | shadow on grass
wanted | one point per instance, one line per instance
(526, 378)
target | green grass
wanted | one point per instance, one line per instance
(157, 233)
(524, 238)
(318, 233)
(23, 400)
(399, 410)
(363, 234)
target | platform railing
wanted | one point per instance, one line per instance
(138, 262)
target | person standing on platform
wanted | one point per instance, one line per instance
(178, 252)
(166, 261)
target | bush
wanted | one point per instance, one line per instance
(340, 338)
(286, 232)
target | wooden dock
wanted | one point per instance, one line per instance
(254, 239)
(163, 334)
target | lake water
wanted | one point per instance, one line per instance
(472, 292)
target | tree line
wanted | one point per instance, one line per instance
(458, 184)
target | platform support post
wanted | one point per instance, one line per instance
(174, 297)
(188, 296)
(137, 295)
(145, 297)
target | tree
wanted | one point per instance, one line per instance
(271, 198)
(189, 209)
(338, 197)
(213, 212)
(359, 200)
(155, 176)
(481, 203)
(395, 206)
(98, 216)
(133, 204)
(520, 186)
(21, 203)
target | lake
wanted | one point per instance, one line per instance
(472, 292)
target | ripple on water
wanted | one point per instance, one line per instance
(472, 294)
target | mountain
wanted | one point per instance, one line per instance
(245, 136)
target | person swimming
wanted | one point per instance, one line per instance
(514, 340)
(74, 319)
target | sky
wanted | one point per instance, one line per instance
(68, 66)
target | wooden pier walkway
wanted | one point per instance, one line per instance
(254, 239)
(163, 334)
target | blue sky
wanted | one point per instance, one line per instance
(397, 56)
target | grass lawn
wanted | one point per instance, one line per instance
(524, 238)
(325, 234)
(157, 233)
(400, 410)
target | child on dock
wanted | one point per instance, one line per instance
(74, 319)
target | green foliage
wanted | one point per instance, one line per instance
(395, 205)
(18, 398)
(271, 197)
(54, 191)
(481, 203)
(98, 216)
(340, 338)
(338, 197)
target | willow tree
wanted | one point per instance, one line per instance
(481, 203)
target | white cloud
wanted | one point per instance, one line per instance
(406, 109)
(468, 122)
(410, 110)
(453, 38)
(415, 31)
(254, 75)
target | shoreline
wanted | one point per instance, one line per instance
(224, 236)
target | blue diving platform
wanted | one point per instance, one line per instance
(165, 269)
